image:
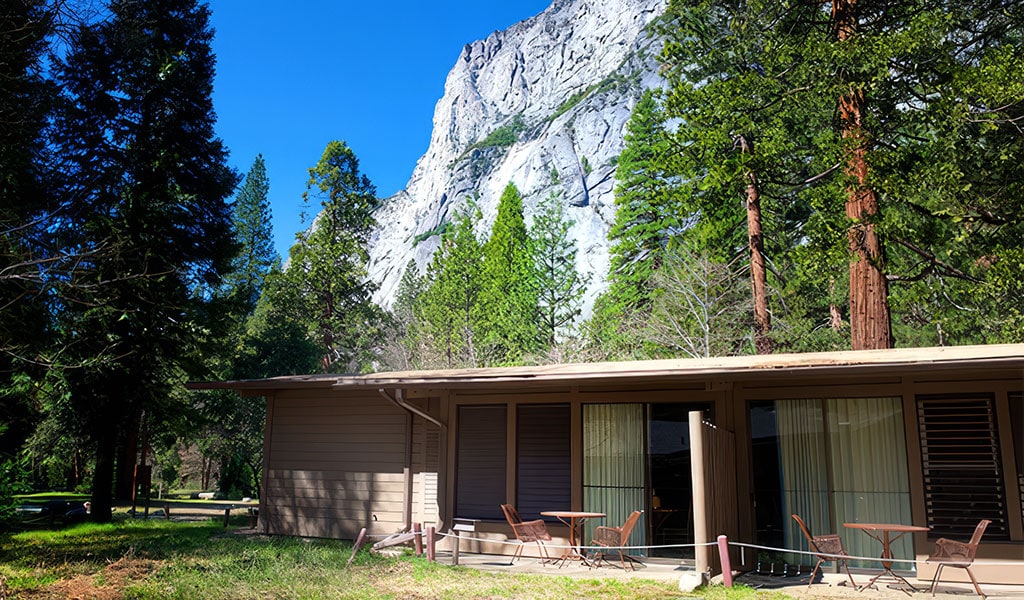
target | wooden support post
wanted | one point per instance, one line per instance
(360, 540)
(417, 531)
(227, 514)
(431, 541)
(468, 525)
(700, 521)
(167, 512)
(723, 554)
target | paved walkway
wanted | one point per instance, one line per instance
(830, 585)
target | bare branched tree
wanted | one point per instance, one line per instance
(701, 308)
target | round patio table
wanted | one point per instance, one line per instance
(883, 532)
(575, 521)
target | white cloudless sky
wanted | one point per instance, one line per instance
(292, 76)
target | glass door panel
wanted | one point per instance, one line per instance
(613, 465)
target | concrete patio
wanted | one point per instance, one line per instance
(830, 585)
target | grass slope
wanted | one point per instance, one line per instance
(160, 559)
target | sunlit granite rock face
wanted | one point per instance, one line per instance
(565, 81)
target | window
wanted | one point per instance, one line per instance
(480, 462)
(543, 453)
(614, 463)
(844, 460)
(963, 479)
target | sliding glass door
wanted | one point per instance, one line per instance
(844, 460)
(637, 457)
(613, 464)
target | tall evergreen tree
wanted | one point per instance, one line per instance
(25, 200)
(255, 234)
(745, 159)
(646, 215)
(882, 119)
(149, 180)
(404, 346)
(560, 287)
(328, 262)
(508, 296)
(231, 435)
(449, 310)
(645, 210)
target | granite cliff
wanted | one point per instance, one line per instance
(543, 104)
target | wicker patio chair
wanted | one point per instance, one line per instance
(827, 548)
(527, 531)
(615, 538)
(951, 553)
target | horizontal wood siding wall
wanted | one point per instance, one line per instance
(335, 465)
(426, 466)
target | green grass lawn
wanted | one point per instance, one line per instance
(160, 559)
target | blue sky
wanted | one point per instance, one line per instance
(292, 77)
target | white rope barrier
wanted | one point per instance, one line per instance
(515, 542)
(877, 559)
(581, 548)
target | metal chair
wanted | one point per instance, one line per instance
(827, 548)
(951, 553)
(527, 531)
(615, 537)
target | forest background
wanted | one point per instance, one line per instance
(814, 176)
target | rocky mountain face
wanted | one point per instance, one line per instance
(543, 105)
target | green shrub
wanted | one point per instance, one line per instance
(439, 230)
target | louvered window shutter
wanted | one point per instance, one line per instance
(963, 478)
(480, 462)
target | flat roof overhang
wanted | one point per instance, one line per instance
(733, 368)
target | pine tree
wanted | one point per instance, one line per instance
(878, 124)
(403, 347)
(508, 296)
(328, 262)
(449, 310)
(148, 187)
(26, 244)
(560, 287)
(646, 216)
(254, 232)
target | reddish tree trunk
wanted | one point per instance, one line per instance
(870, 322)
(758, 268)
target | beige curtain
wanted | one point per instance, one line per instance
(844, 460)
(869, 470)
(804, 470)
(613, 465)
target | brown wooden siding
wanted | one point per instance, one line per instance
(335, 465)
(426, 466)
(373, 477)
